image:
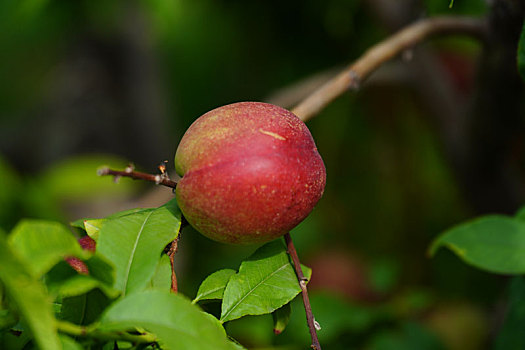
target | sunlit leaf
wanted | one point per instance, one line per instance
(29, 297)
(42, 244)
(493, 243)
(176, 322)
(281, 317)
(265, 282)
(213, 286)
(93, 226)
(133, 243)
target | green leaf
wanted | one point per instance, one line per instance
(493, 243)
(161, 280)
(93, 226)
(265, 282)
(69, 343)
(29, 297)
(281, 317)
(511, 335)
(84, 309)
(42, 244)
(176, 322)
(521, 53)
(520, 214)
(63, 281)
(133, 243)
(213, 286)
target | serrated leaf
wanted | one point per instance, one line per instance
(29, 296)
(176, 322)
(42, 244)
(133, 243)
(212, 288)
(281, 317)
(265, 282)
(521, 53)
(493, 243)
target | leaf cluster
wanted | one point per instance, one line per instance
(124, 299)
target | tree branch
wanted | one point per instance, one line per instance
(312, 324)
(174, 246)
(354, 75)
(159, 179)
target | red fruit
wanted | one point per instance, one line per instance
(250, 173)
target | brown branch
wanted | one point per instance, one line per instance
(159, 179)
(171, 254)
(312, 324)
(354, 75)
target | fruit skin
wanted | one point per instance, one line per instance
(250, 173)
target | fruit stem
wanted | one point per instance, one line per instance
(159, 179)
(302, 282)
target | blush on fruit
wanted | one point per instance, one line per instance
(250, 173)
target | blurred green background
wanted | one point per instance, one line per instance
(89, 83)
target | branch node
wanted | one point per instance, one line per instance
(103, 171)
(161, 179)
(317, 325)
(130, 168)
(355, 80)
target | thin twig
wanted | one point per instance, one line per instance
(159, 179)
(302, 282)
(354, 75)
(174, 246)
